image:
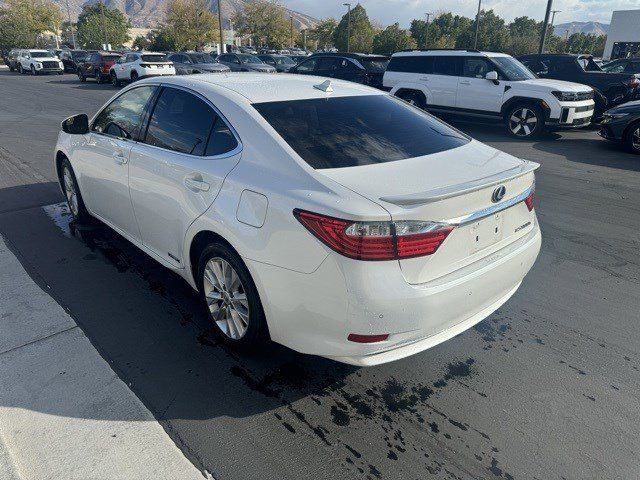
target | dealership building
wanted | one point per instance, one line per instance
(623, 39)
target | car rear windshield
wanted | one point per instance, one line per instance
(110, 58)
(157, 57)
(375, 64)
(350, 131)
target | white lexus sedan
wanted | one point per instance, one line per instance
(324, 215)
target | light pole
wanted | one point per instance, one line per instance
(348, 5)
(553, 17)
(291, 32)
(426, 30)
(104, 28)
(545, 26)
(475, 42)
(220, 26)
(73, 35)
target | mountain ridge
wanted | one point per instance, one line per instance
(150, 13)
(596, 28)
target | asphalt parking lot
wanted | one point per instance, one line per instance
(546, 388)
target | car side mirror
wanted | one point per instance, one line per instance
(492, 76)
(76, 125)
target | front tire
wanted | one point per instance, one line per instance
(33, 71)
(114, 80)
(231, 297)
(633, 139)
(81, 77)
(524, 121)
(72, 192)
(20, 69)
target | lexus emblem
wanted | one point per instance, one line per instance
(498, 194)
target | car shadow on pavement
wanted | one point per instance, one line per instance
(90, 84)
(603, 153)
(151, 326)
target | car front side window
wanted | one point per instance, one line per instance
(307, 66)
(121, 117)
(180, 122)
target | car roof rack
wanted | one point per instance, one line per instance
(440, 50)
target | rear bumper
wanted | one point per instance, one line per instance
(315, 313)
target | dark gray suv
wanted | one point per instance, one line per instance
(244, 62)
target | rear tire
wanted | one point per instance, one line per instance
(114, 80)
(72, 193)
(99, 79)
(231, 297)
(20, 69)
(414, 98)
(11, 69)
(81, 77)
(632, 139)
(134, 76)
(33, 71)
(524, 121)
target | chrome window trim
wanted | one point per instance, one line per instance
(230, 153)
(487, 212)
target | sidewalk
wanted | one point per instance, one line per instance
(64, 414)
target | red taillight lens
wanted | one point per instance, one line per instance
(633, 82)
(354, 337)
(375, 240)
(529, 200)
(105, 69)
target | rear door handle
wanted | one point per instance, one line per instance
(196, 185)
(465, 83)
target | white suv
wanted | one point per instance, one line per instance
(38, 61)
(488, 85)
(133, 66)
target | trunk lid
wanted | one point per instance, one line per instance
(450, 186)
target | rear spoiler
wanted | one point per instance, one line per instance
(437, 194)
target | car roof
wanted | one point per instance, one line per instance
(348, 55)
(448, 53)
(36, 50)
(264, 87)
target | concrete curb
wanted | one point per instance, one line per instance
(64, 413)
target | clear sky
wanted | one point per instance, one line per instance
(386, 12)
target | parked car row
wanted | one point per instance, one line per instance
(34, 61)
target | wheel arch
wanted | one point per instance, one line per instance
(198, 243)
(538, 102)
(628, 128)
(419, 91)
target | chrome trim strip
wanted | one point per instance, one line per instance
(415, 199)
(487, 212)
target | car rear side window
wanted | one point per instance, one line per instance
(181, 122)
(156, 57)
(121, 117)
(350, 131)
(411, 64)
(447, 66)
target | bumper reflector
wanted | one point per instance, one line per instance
(354, 337)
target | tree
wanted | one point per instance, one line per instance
(191, 24)
(143, 42)
(525, 36)
(323, 32)
(361, 32)
(442, 32)
(23, 21)
(162, 40)
(266, 22)
(392, 39)
(92, 31)
(493, 34)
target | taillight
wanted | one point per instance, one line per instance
(633, 82)
(355, 337)
(529, 200)
(375, 240)
(105, 69)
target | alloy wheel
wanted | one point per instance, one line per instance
(70, 191)
(523, 122)
(226, 298)
(635, 139)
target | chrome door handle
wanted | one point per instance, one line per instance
(196, 185)
(465, 83)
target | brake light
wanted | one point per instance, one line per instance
(529, 200)
(105, 69)
(375, 240)
(633, 82)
